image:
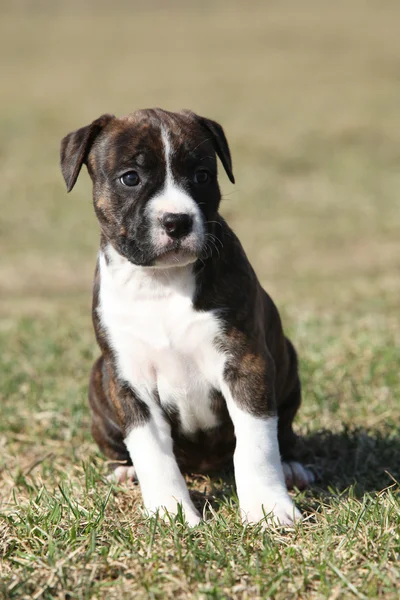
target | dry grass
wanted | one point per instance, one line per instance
(308, 94)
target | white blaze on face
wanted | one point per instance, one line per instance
(173, 198)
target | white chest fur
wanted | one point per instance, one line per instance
(160, 342)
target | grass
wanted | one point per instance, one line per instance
(308, 95)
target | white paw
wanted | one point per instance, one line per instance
(296, 475)
(122, 474)
(170, 508)
(277, 506)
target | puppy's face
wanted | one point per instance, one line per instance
(155, 185)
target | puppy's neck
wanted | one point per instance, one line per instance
(155, 281)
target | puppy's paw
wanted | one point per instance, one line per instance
(278, 506)
(296, 475)
(122, 474)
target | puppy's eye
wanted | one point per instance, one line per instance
(202, 176)
(131, 178)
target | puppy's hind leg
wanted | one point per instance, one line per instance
(105, 428)
(296, 475)
(123, 474)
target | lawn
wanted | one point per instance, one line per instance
(308, 94)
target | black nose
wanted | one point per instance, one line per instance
(177, 225)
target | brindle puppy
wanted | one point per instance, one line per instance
(194, 369)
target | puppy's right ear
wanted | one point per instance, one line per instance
(75, 148)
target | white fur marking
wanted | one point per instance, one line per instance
(163, 345)
(167, 153)
(162, 484)
(173, 199)
(258, 469)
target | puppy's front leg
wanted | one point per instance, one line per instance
(249, 393)
(163, 487)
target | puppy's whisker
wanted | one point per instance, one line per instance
(200, 144)
(216, 239)
(208, 250)
(215, 246)
(229, 193)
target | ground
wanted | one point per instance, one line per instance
(308, 94)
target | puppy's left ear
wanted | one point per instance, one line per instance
(75, 148)
(219, 141)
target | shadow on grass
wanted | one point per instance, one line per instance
(367, 461)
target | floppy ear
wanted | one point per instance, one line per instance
(75, 148)
(219, 141)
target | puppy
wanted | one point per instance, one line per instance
(194, 369)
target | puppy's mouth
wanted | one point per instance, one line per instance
(176, 254)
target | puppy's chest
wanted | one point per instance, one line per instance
(162, 344)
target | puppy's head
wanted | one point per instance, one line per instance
(155, 186)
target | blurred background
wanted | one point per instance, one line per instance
(308, 93)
